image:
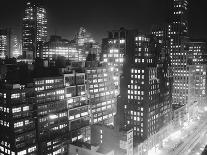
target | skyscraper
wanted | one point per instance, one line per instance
(145, 98)
(178, 35)
(15, 47)
(174, 37)
(34, 31)
(179, 18)
(5, 41)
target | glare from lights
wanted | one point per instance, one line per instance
(112, 69)
(154, 151)
(52, 117)
(176, 134)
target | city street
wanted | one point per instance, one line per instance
(189, 140)
(197, 150)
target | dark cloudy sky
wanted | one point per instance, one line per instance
(66, 16)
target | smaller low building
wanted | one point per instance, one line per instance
(109, 139)
(76, 150)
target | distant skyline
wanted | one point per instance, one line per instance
(66, 17)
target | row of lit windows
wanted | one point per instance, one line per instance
(17, 95)
(94, 71)
(4, 109)
(40, 82)
(103, 103)
(96, 85)
(137, 76)
(135, 92)
(133, 86)
(103, 108)
(137, 71)
(141, 38)
(83, 114)
(6, 150)
(59, 127)
(103, 118)
(24, 152)
(4, 123)
(19, 109)
(134, 81)
(121, 41)
(135, 97)
(20, 124)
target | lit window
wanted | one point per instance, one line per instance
(26, 108)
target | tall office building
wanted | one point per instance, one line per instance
(174, 37)
(34, 32)
(178, 35)
(145, 98)
(5, 43)
(15, 47)
(179, 18)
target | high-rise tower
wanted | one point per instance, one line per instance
(34, 32)
(144, 103)
(179, 18)
(5, 41)
(178, 36)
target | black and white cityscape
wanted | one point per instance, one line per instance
(133, 84)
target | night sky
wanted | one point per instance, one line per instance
(66, 16)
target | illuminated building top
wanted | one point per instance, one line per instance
(34, 28)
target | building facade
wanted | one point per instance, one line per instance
(114, 47)
(197, 58)
(44, 115)
(145, 98)
(101, 95)
(51, 115)
(17, 124)
(78, 107)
